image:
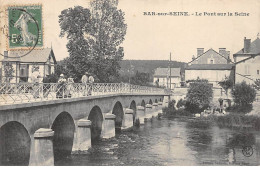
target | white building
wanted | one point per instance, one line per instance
(163, 74)
(210, 65)
(247, 62)
(23, 64)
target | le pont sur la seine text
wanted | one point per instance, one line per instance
(195, 14)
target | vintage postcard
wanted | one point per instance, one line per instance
(129, 83)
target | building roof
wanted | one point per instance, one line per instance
(208, 52)
(35, 56)
(251, 57)
(210, 67)
(163, 72)
(254, 48)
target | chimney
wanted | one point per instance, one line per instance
(5, 54)
(200, 51)
(222, 51)
(247, 43)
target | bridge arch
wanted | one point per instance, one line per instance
(63, 127)
(150, 101)
(143, 103)
(133, 107)
(119, 112)
(96, 118)
(15, 144)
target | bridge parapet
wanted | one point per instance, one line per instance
(28, 92)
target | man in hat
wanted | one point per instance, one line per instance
(84, 81)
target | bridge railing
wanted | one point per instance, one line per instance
(29, 92)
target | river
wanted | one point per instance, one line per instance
(177, 141)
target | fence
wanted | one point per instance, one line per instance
(28, 92)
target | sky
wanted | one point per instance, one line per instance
(154, 37)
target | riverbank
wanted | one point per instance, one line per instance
(229, 120)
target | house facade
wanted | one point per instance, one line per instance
(164, 75)
(21, 66)
(247, 62)
(210, 65)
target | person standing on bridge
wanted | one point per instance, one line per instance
(91, 81)
(85, 81)
(35, 79)
(61, 86)
(70, 86)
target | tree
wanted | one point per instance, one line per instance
(226, 84)
(199, 96)
(94, 36)
(140, 78)
(257, 84)
(8, 71)
(181, 103)
(243, 94)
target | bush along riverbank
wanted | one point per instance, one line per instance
(199, 105)
(235, 118)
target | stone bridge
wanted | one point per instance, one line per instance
(41, 132)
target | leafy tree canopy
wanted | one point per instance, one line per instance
(226, 84)
(257, 84)
(200, 94)
(94, 36)
(141, 78)
(243, 94)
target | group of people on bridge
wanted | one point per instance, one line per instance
(64, 87)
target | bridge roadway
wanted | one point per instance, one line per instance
(39, 132)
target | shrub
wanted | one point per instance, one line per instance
(243, 94)
(170, 109)
(51, 79)
(240, 109)
(171, 104)
(226, 84)
(181, 103)
(199, 96)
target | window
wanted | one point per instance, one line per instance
(210, 60)
(247, 72)
(258, 72)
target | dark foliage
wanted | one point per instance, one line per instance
(94, 36)
(226, 84)
(243, 94)
(257, 84)
(181, 103)
(199, 96)
(52, 78)
(140, 78)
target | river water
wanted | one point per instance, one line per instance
(177, 141)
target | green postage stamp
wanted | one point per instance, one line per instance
(25, 27)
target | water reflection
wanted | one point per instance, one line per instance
(173, 142)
